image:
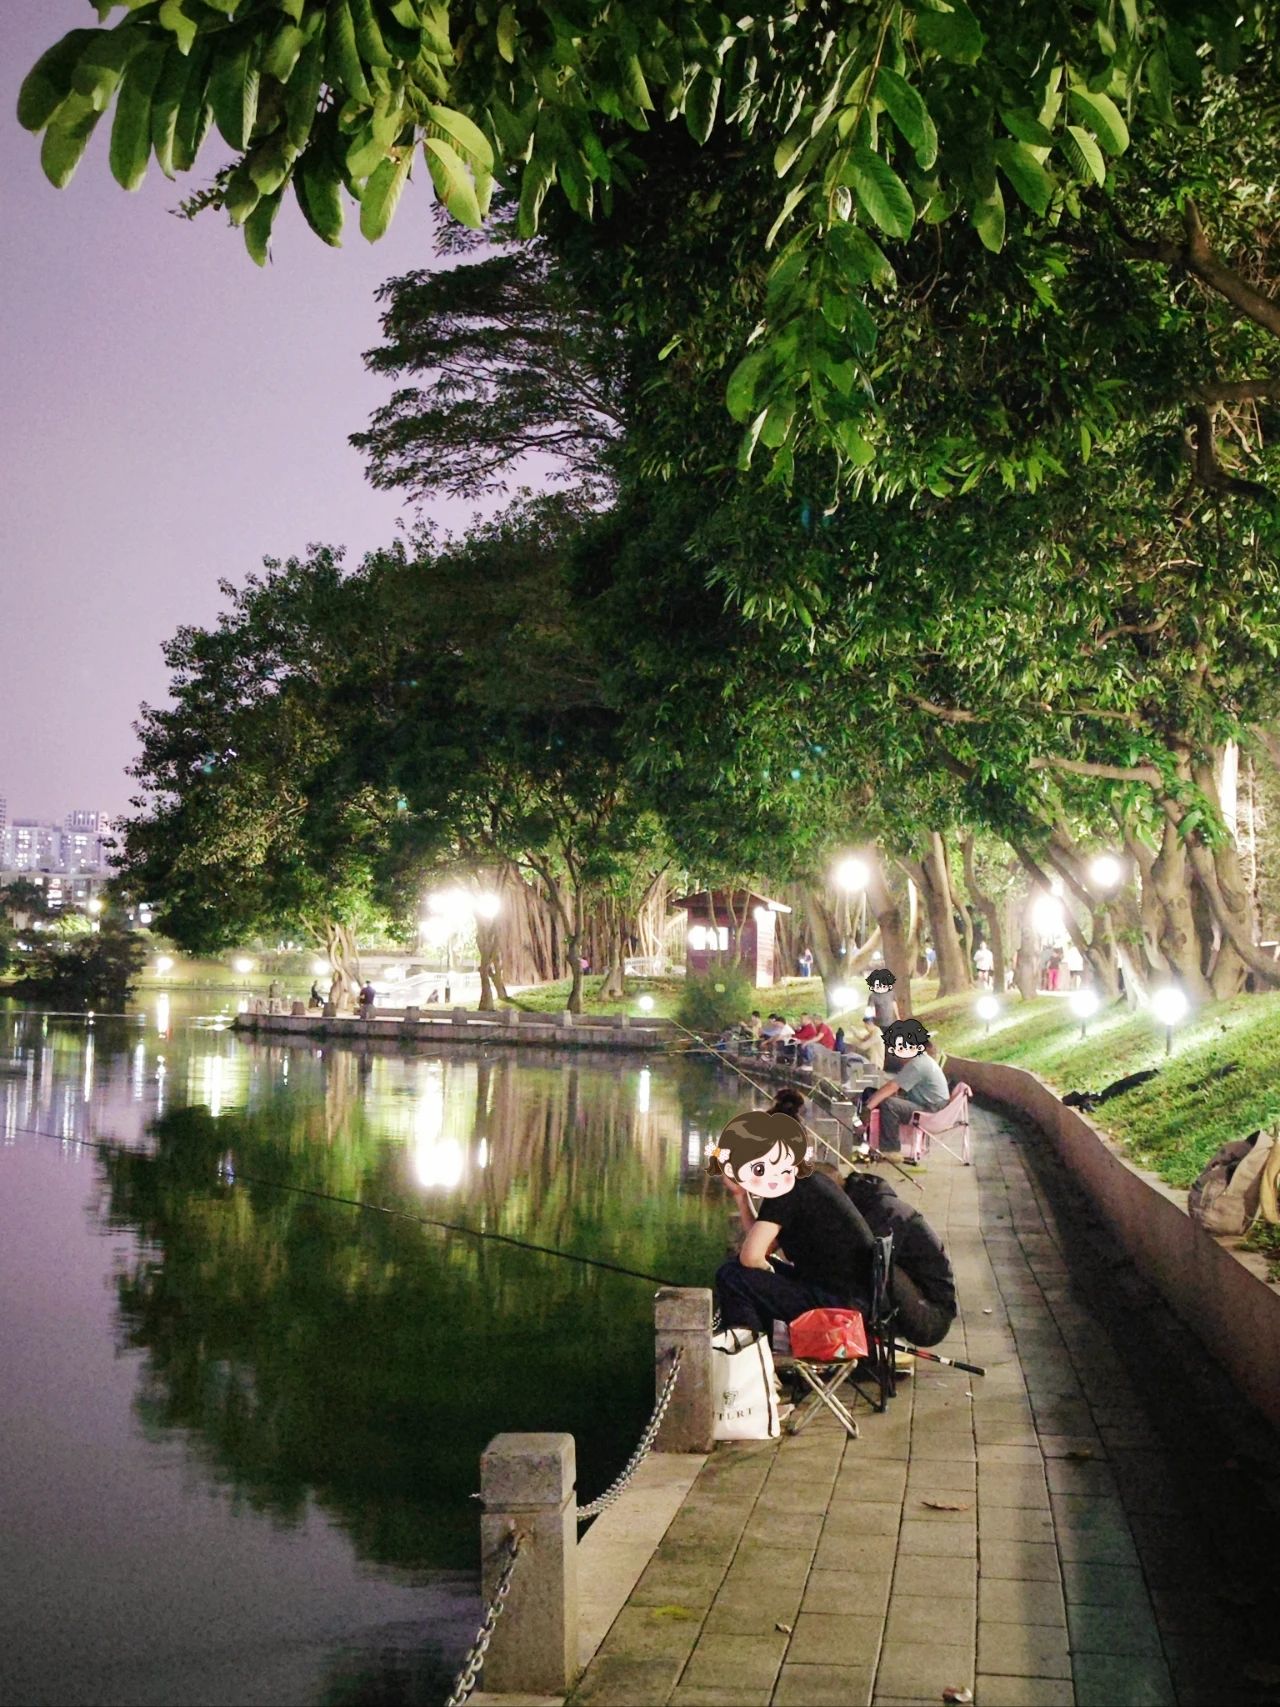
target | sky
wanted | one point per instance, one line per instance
(169, 416)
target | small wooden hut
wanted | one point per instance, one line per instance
(732, 925)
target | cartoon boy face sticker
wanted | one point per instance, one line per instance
(764, 1153)
(905, 1038)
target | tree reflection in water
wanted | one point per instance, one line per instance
(316, 1350)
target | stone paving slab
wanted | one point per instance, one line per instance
(814, 1569)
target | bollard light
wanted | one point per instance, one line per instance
(164, 964)
(645, 1004)
(844, 998)
(1170, 1006)
(987, 1008)
(1084, 1004)
(242, 964)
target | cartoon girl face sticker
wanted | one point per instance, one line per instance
(763, 1153)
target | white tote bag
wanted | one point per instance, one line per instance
(746, 1404)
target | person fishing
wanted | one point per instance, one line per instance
(762, 1155)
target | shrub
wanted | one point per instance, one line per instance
(719, 999)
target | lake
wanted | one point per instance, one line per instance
(241, 1414)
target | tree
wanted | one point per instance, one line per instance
(870, 121)
(83, 967)
(513, 366)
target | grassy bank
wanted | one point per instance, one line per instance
(792, 996)
(1174, 1122)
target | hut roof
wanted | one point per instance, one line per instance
(728, 902)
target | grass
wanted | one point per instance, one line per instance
(792, 996)
(1173, 1123)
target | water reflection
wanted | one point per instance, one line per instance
(312, 1355)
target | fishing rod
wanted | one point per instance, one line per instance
(233, 1177)
(729, 1062)
(936, 1357)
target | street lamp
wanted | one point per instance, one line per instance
(852, 874)
(987, 1008)
(844, 998)
(1106, 871)
(93, 906)
(1047, 916)
(164, 964)
(1084, 1004)
(1169, 1005)
(242, 964)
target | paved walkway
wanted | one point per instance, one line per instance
(1019, 1535)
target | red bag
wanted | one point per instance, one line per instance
(829, 1336)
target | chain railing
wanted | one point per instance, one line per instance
(637, 1458)
(465, 1681)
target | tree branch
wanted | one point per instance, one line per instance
(1111, 773)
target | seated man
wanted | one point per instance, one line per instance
(774, 1032)
(813, 1030)
(923, 1284)
(828, 1245)
(916, 1080)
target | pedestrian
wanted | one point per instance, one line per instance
(806, 963)
(984, 963)
(1054, 970)
(1074, 963)
(315, 999)
(368, 996)
(883, 1007)
(915, 1081)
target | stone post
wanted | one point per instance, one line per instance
(682, 1317)
(412, 1016)
(329, 1011)
(527, 1483)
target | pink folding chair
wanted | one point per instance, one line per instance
(922, 1126)
(953, 1113)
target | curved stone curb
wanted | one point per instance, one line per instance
(1221, 1293)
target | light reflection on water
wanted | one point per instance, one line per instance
(287, 1389)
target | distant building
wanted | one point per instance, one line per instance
(78, 844)
(34, 846)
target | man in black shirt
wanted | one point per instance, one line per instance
(828, 1251)
(924, 1286)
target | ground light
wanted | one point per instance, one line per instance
(1084, 1004)
(645, 1004)
(1170, 1006)
(987, 1008)
(242, 964)
(164, 964)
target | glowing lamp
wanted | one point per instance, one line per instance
(164, 964)
(321, 968)
(1169, 1006)
(94, 906)
(645, 1004)
(987, 1008)
(242, 964)
(1084, 1004)
(1105, 872)
(486, 906)
(853, 874)
(844, 997)
(1046, 915)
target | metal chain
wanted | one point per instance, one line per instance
(641, 1452)
(465, 1681)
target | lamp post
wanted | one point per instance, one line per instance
(851, 877)
(1106, 871)
(987, 1008)
(1084, 1004)
(1169, 1005)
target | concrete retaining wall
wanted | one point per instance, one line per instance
(1222, 1294)
(462, 1025)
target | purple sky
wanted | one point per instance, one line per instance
(169, 414)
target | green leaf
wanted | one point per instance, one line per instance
(241, 196)
(1084, 154)
(740, 392)
(195, 115)
(790, 202)
(317, 184)
(343, 69)
(302, 94)
(66, 138)
(284, 51)
(700, 102)
(270, 162)
(535, 181)
(257, 228)
(1023, 124)
(464, 137)
(508, 33)
(101, 66)
(881, 193)
(373, 49)
(382, 195)
(49, 81)
(636, 87)
(1033, 184)
(131, 131)
(909, 113)
(856, 449)
(453, 182)
(166, 102)
(955, 35)
(172, 17)
(1160, 83)
(1102, 116)
(987, 214)
(233, 94)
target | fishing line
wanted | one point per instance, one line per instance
(237, 1178)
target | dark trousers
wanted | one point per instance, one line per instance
(893, 1111)
(917, 1320)
(756, 1298)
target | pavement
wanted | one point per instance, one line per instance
(1069, 1529)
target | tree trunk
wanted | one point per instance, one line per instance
(931, 876)
(823, 928)
(1026, 962)
(989, 910)
(344, 958)
(1178, 940)
(892, 936)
